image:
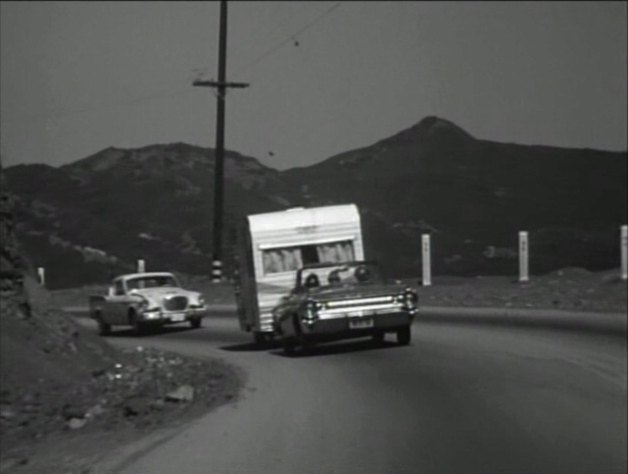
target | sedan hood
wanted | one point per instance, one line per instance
(159, 293)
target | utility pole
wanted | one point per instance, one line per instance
(221, 86)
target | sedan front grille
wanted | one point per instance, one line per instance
(175, 303)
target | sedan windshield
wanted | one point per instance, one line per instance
(151, 282)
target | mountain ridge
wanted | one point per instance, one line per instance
(472, 194)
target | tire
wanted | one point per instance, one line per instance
(378, 337)
(258, 338)
(137, 328)
(196, 323)
(305, 346)
(404, 336)
(288, 346)
(104, 329)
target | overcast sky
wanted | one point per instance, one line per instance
(326, 77)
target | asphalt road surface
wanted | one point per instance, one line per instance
(462, 398)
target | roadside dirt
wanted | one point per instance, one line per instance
(67, 397)
(570, 289)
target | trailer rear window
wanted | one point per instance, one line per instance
(288, 259)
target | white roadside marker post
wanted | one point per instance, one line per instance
(41, 275)
(523, 257)
(624, 252)
(426, 259)
(141, 266)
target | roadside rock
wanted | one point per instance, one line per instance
(76, 423)
(184, 393)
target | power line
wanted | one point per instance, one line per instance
(58, 113)
(265, 33)
(288, 39)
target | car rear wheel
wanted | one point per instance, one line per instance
(288, 346)
(404, 336)
(305, 345)
(378, 337)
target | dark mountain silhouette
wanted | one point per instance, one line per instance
(473, 196)
(95, 217)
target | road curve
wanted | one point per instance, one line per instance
(463, 398)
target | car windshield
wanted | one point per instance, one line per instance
(151, 282)
(340, 274)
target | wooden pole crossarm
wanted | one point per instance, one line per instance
(239, 85)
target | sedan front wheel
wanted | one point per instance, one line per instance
(104, 329)
(136, 325)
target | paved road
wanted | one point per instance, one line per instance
(463, 398)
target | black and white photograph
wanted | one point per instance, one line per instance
(313, 237)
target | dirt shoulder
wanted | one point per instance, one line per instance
(569, 289)
(68, 398)
(150, 396)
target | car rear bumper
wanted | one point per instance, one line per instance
(346, 327)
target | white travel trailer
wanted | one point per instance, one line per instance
(273, 246)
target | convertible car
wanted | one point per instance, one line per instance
(334, 301)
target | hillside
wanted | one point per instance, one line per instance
(94, 218)
(90, 219)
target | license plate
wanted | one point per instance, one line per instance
(360, 323)
(177, 317)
